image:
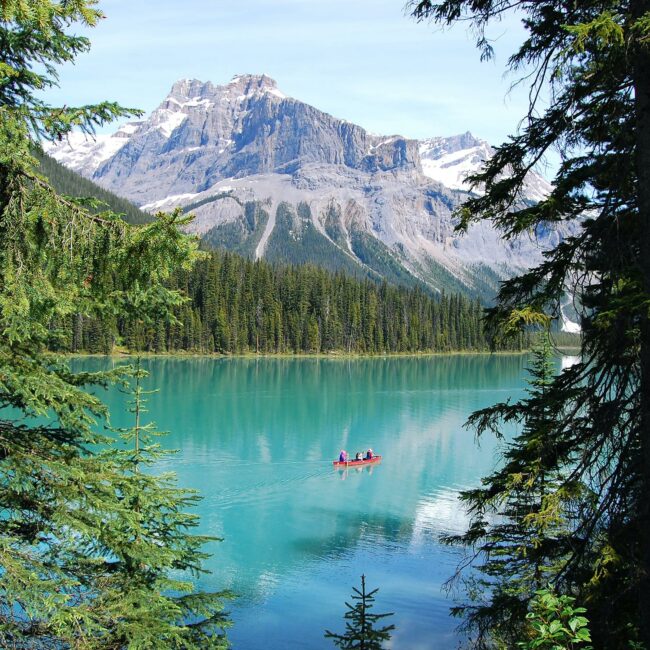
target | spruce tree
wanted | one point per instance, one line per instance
(361, 632)
(157, 554)
(80, 561)
(590, 61)
(522, 518)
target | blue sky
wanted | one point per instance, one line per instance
(362, 60)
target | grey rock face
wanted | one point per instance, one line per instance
(201, 134)
(383, 203)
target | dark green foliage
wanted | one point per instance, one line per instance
(587, 65)
(88, 544)
(567, 340)
(554, 623)
(295, 240)
(69, 183)
(522, 524)
(486, 282)
(239, 306)
(33, 42)
(438, 276)
(378, 257)
(155, 517)
(333, 225)
(361, 632)
(232, 236)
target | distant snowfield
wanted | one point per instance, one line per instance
(85, 153)
(168, 202)
(167, 121)
(443, 162)
(452, 176)
(451, 160)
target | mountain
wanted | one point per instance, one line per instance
(269, 176)
(451, 160)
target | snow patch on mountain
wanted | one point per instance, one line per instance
(450, 160)
(84, 153)
(167, 120)
(451, 170)
(194, 101)
(168, 203)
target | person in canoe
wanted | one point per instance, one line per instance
(359, 456)
(370, 454)
(343, 456)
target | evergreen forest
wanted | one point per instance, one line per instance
(69, 183)
(238, 306)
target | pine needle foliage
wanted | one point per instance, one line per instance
(361, 632)
(523, 517)
(81, 566)
(160, 554)
(586, 67)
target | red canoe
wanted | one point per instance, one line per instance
(356, 463)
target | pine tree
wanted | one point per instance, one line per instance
(73, 543)
(361, 632)
(522, 518)
(140, 573)
(270, 308)
(590, 59)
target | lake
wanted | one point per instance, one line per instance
(257, 437)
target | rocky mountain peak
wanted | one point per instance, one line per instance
(186, 88)
(247, 84)
(203, 133)
(440, 146)
(240, 87)
(218, 111)
(259, 167)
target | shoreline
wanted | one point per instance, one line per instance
(342, 356)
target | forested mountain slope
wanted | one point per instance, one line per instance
(240, 306)
(70, 183)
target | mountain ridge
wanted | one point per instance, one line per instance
(379, 201)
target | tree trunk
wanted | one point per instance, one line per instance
(641, 63)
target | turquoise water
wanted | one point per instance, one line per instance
(257, 438)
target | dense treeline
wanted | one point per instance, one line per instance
(69, 183)
(239, 306)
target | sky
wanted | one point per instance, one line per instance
(365, 61)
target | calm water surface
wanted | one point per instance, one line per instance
(257, 438)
